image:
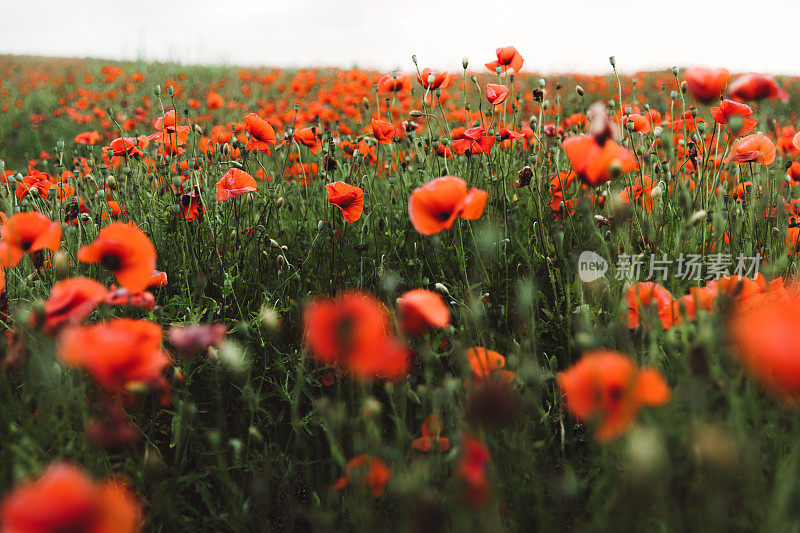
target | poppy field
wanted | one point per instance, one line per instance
(255, 299)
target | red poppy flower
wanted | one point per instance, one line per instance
(214, 100)
(641, 191)
(71, 300)
(346, 197)
(130, 146)
(440, 80)
(756, 87)
(496, 94)
(507, 58)
(391, 83)
(64, 498)
(420, 310)
(474, 141)
(607, 388)
(796, 141)
(308, 137)
(365, 471)
(641, 124)
(755, 148)
(120, 354)
(353, 330)
(471, 471)
(595, 163)
(383, 131)
(729, 109)
(235, 183)
(431, 439)
(433, 207)
(487, 364)
(262, 134)
(87, 137)
(707, 84)
(34, 179)
(27, 232)
(123, 297)
(644, 294)
(126, 251)
(766, 340)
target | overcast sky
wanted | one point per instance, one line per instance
(552, 36)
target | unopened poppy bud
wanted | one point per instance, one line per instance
(440, 287)
(176, 181)
(701, 127)
(279, 202)
(33, 191)
(371, 408)
(110, 112)
(414, 58)
(464, 63)
(787, 178)
(630, 125)
(281, 260)
(658, 131)
(674, 71)
(415, 113)
(697, 216)
(498, 70)
(270, 320)
(437, 92)
(579, 90)
(656, 191)
(431, 79)
(776, 231)
(274, 243)
(111, 182)
(60, 145)
(197, 129)
(600, 219)
(170, 90)
(60, 265)
(157, 89)
(365, 102)
(542, 83)
(284, 247)
(613, 61)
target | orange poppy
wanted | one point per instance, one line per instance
(645, 294)
(471, 471)
(64, 498)
(126, 251)
(431, 430)
(391, 83)
(756, 87)
(235, 183)
(496, 94)
(40, 181)
(707, 84)
(729, 109)
(367, 471)
(766, 340)
(507, 58)
(420, 310)
(71, 300)
(214, 100)
(354, 330)
(433, 207)
(754, 148)
(594, 163)
(27, 232)
(130, 146)
(433, 80)
(640, 191)
(308, 137)
(383, 131)
(487, 364)
(262, 134)
(120, 354)
(346, 197)
(473, 141)
(606, 387)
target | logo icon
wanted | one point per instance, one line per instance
(591, 266)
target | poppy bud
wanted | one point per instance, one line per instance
(658, 131)
(111, 182)
(279, 202)
(197, 129)
(656, 191)
(701, 127)
(281, 260)
(110, 112)
(157, 89)
(697, 217)
(176, 181)
(498, 70)
(440, 287)
(170, 90)
(579, 90)
(365, 102)
(270, 321)
(60, 145)
(630, 125)
(613, 61)
(431, 79)
(371, 408)
(274, 243)
(674, 71)
(414, 58)
(415, 113)
(542, 83)
(464, 63)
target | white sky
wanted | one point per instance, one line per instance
(552, 36)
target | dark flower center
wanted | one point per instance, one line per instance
(111, 261)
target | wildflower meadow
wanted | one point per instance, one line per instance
(262, 299)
